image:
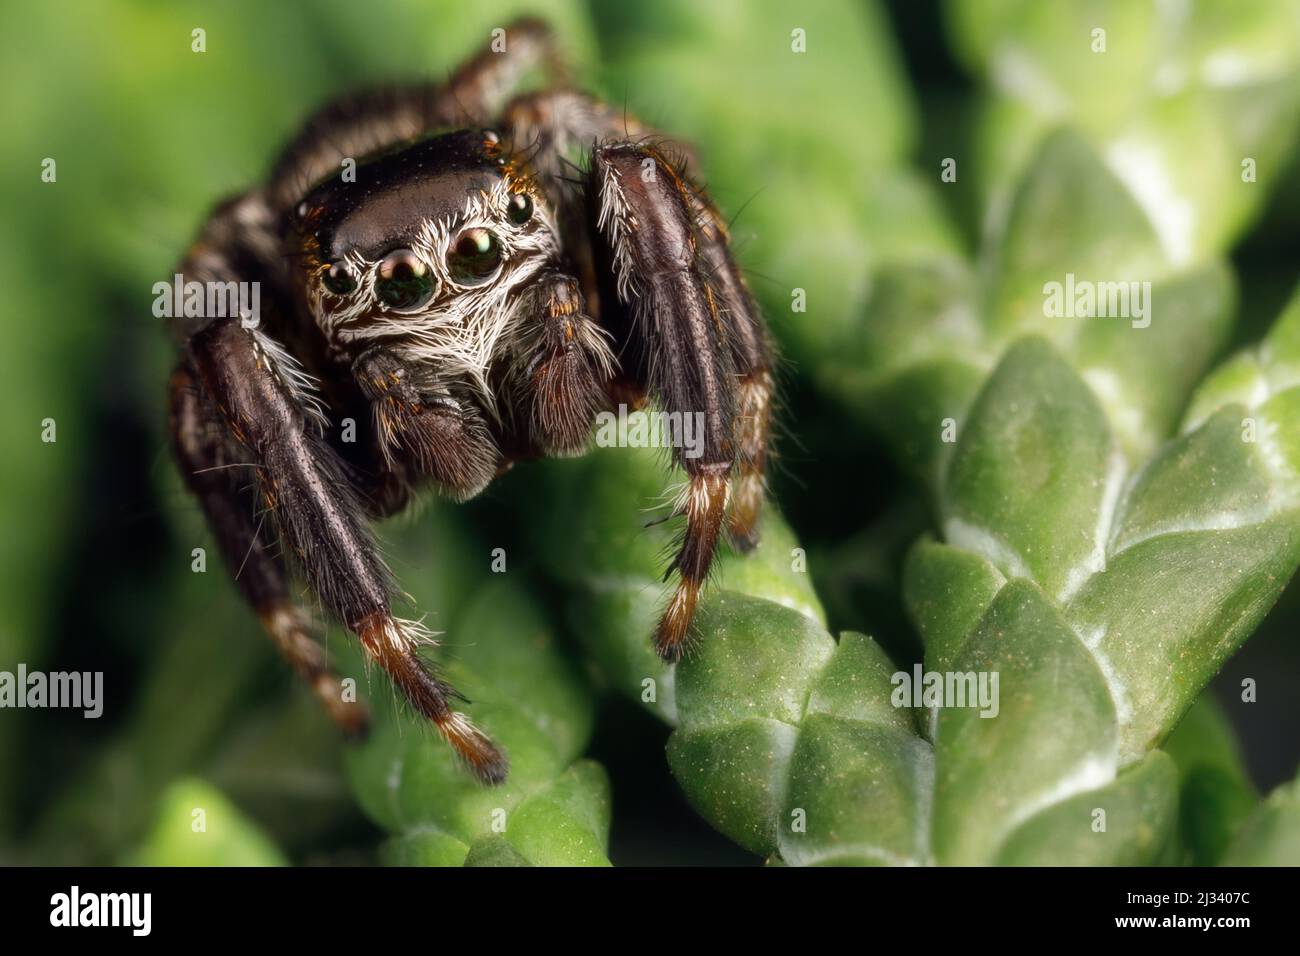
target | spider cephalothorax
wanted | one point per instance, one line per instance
(428, 266)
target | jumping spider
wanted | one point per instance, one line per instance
(478, 305)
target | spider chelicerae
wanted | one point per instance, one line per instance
(498, 268)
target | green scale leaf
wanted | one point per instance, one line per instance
(1176, 97)
(1271, 837)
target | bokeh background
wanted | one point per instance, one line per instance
(829, 163)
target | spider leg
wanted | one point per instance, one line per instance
(302, 484)
(421, 422)
(211, 466)
(360, 124)
(557, 128)
(689, 326)
(690, 331)
(751, 354)
(558, 124)
(483, 84)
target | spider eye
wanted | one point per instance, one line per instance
(474, 256)
(404, 282)
(339, 279)
(520, 208)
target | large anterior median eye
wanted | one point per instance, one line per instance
(404, 280)
(474, 256)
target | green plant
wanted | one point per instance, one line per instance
(1104, 611)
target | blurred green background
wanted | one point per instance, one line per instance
(829, 162)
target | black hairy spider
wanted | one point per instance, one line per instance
(466, 304)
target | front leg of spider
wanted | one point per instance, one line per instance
(695, 347)
(215, 469)
(303, 486)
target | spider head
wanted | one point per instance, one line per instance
(422, 239)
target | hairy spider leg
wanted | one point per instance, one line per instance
(218, 474)
(687, 364)
(361, 124)
(751, 354)
(303, 486)
(669, 247)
